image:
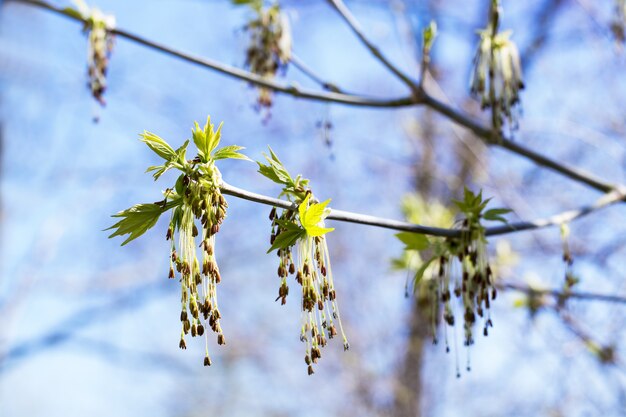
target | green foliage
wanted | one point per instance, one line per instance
(140, 218)
(136, 220)
(312, 215)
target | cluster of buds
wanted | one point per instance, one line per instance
(474, 287)
(311, 266)
(618, 25)
(461, 276)
(269, 49)
(202, 202)
(98, 26)
(198, 210)
(286, 265)
(496, 78)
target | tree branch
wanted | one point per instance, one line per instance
(350, 217)
(290, 89)
(587, 296)
(356, 28)
(423, 98)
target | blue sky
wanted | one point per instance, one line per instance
(63, 176)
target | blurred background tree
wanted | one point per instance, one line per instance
(89, 327)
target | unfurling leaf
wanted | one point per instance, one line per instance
(230, 152)
(136, 220)
(311, 216)
(413, 241)
(158, 145)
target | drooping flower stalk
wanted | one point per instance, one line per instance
(198, 210)
(299, 237)
(496, 78)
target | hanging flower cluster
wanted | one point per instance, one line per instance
(300, 241)
(496, 78)
(269, 48)
(618, 24)
(198, 210)
(98, 26)
(460, 270)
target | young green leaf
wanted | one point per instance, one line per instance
(413, 241)
(311, 216)
(495, 214)
(212, 137)
(136, 220)
(158, 145)
(286, 239)
(230, 152)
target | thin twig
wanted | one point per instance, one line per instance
(304, 68)
(579, 295)
(291, 89)
(344, 12)
(421, 99)
(350, 217)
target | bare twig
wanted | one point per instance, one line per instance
(356, 28)
(350, 217)
(579, 295)
(304, 68)
(423, 98)
(290, 89)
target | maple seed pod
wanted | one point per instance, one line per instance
(207, 361)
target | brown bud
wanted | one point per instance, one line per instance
(323, 270)
(218, 277)
(214, 229)
(332, 332)
(200, 329)
(186, 326)
(292, 268)
(183, 315)
(171, 275)
(220, 339)
(194, 330)
(273, 213)
(194, 231)
(182, 344)
(307, 359)
(169, 234)
(207, 361)
(310, 370)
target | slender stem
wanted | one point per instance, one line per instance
(350, 217)
(291, 89)
(423, 98)
(344, 12)
(560, 294)
(485, 134)
(304, 68)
